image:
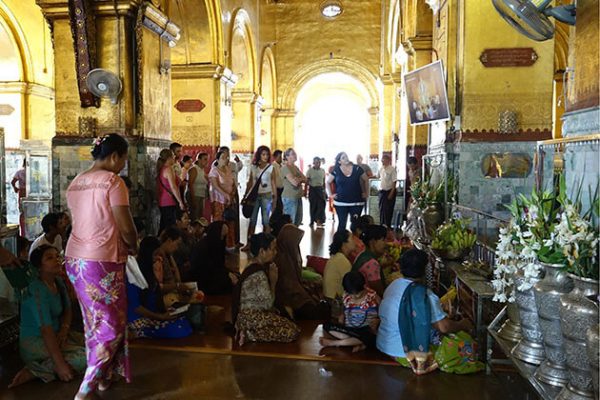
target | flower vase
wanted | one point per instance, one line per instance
(577, 315)
(593, 350)
(511, 328)
(556, 282)
(531, 347)
(433, 217)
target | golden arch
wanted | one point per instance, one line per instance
(216, 30)
(241, 27)
(347, 66)
(561, 47)
(268, 59)
(185, 14)
(393, 33)
(10, 22)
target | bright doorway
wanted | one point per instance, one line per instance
(332, 117)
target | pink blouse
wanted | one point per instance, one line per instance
(226, 181)
(95, 235)
(165, 198)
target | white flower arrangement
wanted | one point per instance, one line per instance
(578, 240)
(515, 252)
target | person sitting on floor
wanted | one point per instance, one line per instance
(47, 346)
(171, 284)
(171, 240)
(409, 312)
(208, 261)
(51, 235)
(277, 222)
(253, 315)
(358, 225)
(357, 326)
(146, 313)
(198, 229)
(338, 265)
(182, 255)
(367, 262)
(64, 227)
(292, 292)
(20, 276)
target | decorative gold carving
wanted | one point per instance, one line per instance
(88, 126)
(480, 111)
(83, 29)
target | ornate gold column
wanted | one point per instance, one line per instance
(140, 58)
(376, 134)
(266, 127)
(284, 121)
(114, 52)
(244, 121)
(211, 84)
(392, 84)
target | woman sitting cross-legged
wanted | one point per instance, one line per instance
(411, 315)
(358, 324)
(208, 261)
(253, 314)
(46, 344)
(146, 312)
(169, 280)
(338, 265)
(358, 226)
(293, 292)
(367, 262)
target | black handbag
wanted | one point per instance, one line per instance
(249, 200)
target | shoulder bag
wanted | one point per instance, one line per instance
(250, 198)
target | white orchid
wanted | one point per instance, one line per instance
(578, 240)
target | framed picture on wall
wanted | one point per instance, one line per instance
(426, 94)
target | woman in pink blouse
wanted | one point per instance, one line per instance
(222, 187)
(103, 233)
(169, 196)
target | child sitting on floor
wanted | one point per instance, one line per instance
(358, 324)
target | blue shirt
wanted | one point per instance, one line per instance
(347, 188)
(389, 340)
(134, 300)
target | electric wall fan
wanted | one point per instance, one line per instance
(103, 83)
(530, 17)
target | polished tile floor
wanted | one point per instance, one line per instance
(185, 372)
(160, 374)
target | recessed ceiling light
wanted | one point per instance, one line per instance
(331, 9)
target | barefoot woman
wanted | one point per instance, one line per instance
(103, 231)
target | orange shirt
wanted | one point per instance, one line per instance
(95, 235)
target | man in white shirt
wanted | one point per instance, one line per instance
(316, 196)
(236, 166)
(51, 235)
(387, 190)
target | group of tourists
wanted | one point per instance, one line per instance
(124, 280)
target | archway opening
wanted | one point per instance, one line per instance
(332, 117)
(243, 95)
(11, 67)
